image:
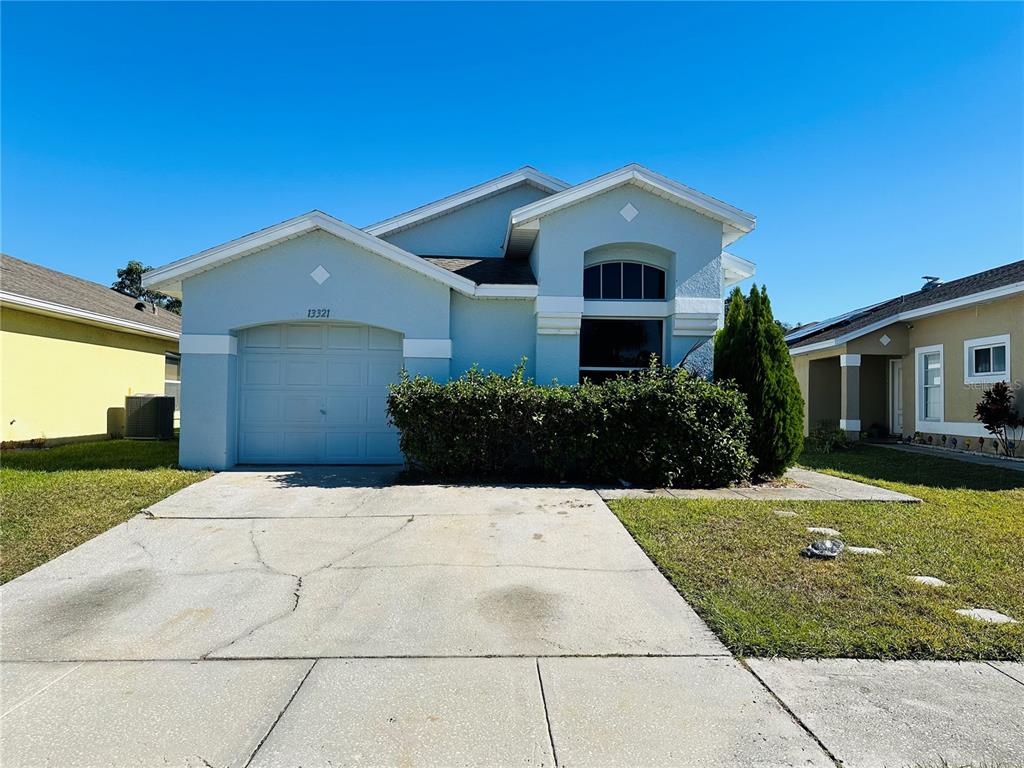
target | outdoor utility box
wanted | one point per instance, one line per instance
(148, 417)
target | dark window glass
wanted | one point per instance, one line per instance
(611, 280)
(654, 283)
(619, 343)
(592, 283)
(172, 366)
(632, 281)
(598, 376)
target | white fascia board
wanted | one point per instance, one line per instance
(40, 307)
(733, 217)
(736, 269)
(168, 278)
(525, 174)
(932, 309)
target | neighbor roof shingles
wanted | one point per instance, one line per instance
(487, 270)
(35, 282)
(954, 289)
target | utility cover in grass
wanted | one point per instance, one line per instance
(865, 551)
(928, 581)
(986, 614)
(825, 549)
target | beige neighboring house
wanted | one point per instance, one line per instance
(71, 350)
(917, 363)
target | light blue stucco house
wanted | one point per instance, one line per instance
(290, 335)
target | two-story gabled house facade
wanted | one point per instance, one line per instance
(292, 334)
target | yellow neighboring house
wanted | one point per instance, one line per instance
(71, 350)
(916, 365)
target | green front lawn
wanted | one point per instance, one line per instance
(57, 498)
(737, 563)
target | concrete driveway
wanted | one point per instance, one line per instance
(324, 617)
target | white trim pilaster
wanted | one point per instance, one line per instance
(207, 344)
(559, 315)
(427, 348)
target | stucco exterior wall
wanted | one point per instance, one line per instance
(874, 399)
(494, 334)
(475, 230)
(684, 243)
(951, 329)
(275, 286)
(60, 377)
(824, 388)
(565, 236)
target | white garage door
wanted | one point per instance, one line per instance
(317, 394)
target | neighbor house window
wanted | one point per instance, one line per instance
(623, 280)
(172, 378)
(929, 382)
(610, 348)
(987, 360)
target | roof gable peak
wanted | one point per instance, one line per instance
(526, 174)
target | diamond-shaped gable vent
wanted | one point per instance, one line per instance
(320, 274)
(629, 212)
(885, 340)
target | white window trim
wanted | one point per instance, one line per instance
(988, 341)
(919, 353)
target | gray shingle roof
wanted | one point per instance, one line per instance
(35, 282)
(490, 270)
(954, 289)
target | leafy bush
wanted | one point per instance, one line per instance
(826, 437)
(654, 427)
(751, 351)
(997, 412)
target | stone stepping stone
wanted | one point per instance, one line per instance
(824, 531)
(986, 614)
(928, 581)
(865, 551)
(784, 513)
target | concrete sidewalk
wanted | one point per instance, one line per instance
(873, 714)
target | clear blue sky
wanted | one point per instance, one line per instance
(874, 142)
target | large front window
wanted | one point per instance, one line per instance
(611, 347)
(623, 280)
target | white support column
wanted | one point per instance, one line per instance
(849, 407)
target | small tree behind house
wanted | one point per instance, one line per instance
(129, 282)
(997, 412)
(751, 351)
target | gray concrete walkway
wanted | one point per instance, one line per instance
(323, 617)
(969, 458)
(803, 485)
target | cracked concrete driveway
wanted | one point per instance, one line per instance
(315, 617)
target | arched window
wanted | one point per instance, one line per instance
(623, 280)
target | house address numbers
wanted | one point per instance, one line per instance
(318, 314)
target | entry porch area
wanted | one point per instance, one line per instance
(861, 394)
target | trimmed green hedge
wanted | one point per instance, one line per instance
(658, 427)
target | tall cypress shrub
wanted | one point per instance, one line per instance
(755, 356)
(728, 339)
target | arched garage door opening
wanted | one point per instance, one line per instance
(316, 393)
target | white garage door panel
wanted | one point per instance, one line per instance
(317, 393)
